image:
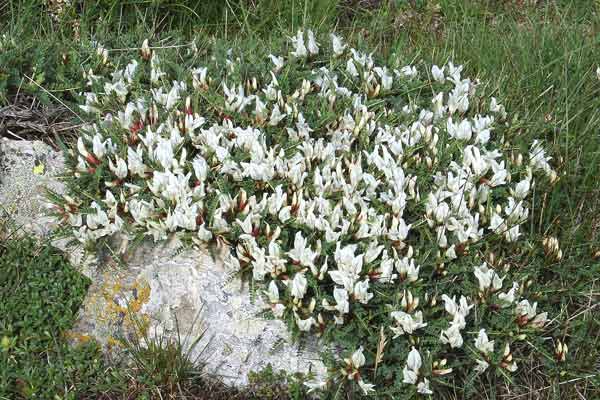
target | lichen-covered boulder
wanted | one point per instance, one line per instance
(162, 290)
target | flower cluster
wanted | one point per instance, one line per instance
(345, 186)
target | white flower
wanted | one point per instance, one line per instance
(438, 73)
(372, 252)
(461, 308)
(442, 212)
(337, 44)
(276, 116)
(458, 100)
(423, 387)
(481, 366)
(299, 285)
(98, 146)
(497, 223)
(273, 292)
(278, 310)
(351, 68)
(118, 88)
(413, 365)
(497, 108)
(409, 376)
(538, 159)
(512, 234)
(204, 234)
(386, 78)
(487, 277)
(301, 253)
(97, 219)
(164, 153)
(528, 314)
(408, 71)
(199, 78)
(315, 384)
(358, 358)
(452, 336)
(366, 387)
(200, 168)
(91, 100)
(140, 210)
(341, 298)
(407, 270)
(483, 344)
(135, 161)
(500, 175)
(277, 62)
(509, 297)
(284, 214)
(454, 71)
(361, 292)
(522, 189)
(313, 46)
(345, 257)
(300, 50)
(406, 323)
(305, 324)
(461, 131)
(120, 170)
(414, 361)
(130, 70)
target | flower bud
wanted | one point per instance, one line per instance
(312, 305)
(188, 106)
(552, 248)
(429, 162)
(242, 200)
(153, 114)
(145, 51)
(560, 351)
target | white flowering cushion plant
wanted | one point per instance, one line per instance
(373, 205)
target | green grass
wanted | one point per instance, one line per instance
(540, 59)
(39, 298)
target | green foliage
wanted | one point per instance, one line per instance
(40, 295)
(275, 385)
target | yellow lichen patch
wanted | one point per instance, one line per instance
(121, 300)
(78, 337)
(112, 342)
(116, 306)
(141, 292)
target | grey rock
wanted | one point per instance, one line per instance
(23, 192)
(164, 290)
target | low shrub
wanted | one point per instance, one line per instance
(382, 206)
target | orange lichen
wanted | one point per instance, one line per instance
(78, 337)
